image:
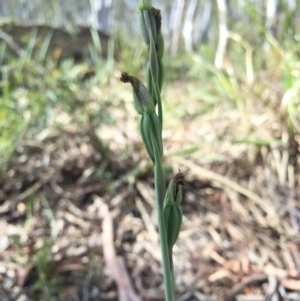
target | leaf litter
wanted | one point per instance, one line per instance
(79, 225)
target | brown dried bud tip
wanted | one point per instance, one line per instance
(179, 181)
(180, 178)
(124, 77)
(157, 15)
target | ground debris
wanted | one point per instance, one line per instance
(239, 240)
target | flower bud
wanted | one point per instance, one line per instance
(172, 210)
(143, 100)
(174, 191)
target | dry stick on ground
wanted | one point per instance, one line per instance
(115, 264)
(266, 205)
(240, 286)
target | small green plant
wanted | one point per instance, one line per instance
(148, 104)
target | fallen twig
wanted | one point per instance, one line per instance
(115, 264)
(240, 286)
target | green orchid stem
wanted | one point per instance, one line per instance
(172, 268)
(168, 276)
(160, 191)
(152, 146)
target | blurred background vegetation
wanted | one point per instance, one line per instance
(53, 53)
(231, 100)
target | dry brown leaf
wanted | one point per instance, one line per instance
(274, 271)
(216, 257)
(272, 290)
(291, 284)
(292, 270)
(22, 273)
(219, 275)
(241, 286)
(73, 267)
(234, 231)
(147, 221)
(245, 261)
(234, 265)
